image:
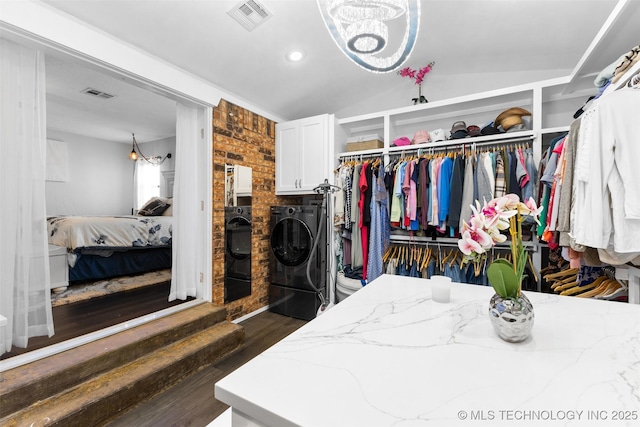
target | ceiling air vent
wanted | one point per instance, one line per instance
(97, 93)
(249, 14)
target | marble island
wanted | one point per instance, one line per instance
(390, 356)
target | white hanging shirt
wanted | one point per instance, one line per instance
(607, 174)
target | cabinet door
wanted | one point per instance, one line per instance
(243, 181)
(287, 158)
(313, 153)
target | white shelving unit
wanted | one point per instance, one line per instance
(551, 113)
(552, 104)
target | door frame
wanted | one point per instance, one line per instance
(32, 25)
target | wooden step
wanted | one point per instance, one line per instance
(107, 395)
(23, 386)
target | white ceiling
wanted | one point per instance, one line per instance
(463, 37)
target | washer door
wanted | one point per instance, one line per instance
(238, 238)
(291, 242)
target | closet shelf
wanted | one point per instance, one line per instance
(503, 138)
(450, 241)
(451, 107)
(558, 129)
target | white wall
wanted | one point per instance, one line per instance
(100, 178)
(100, 175)
(438, 87)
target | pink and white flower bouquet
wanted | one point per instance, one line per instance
(484, 231)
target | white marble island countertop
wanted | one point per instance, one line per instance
(389, 356)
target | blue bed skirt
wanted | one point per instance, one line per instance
(136, 261)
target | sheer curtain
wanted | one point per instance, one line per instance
(146, 182)
(184, 274)
(25, 299)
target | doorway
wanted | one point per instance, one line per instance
(200, 172)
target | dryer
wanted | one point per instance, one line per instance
(293, 234)
(237, 257)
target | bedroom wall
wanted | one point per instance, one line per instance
(99, 178)
(244, 138)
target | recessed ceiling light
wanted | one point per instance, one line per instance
(295, 55)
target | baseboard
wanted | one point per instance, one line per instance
(250, 315)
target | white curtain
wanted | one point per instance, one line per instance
(25, 299)
(146, 182)
(184, 272)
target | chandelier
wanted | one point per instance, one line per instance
(360, 29)
(154, 160)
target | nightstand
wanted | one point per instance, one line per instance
(58, 268)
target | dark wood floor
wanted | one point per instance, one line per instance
(191, 402)
(80, 318)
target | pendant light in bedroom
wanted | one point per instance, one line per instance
(135, 155)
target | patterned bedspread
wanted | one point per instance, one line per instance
(74, 232)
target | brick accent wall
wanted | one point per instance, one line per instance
(241, 137)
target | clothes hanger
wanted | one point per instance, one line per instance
(444, 260)
(563, 286)
(621, 291)
(387, 253)
(612, 286)
(427, 258)
(455, 259)
(531, 267)
(601, 286)
(565, 283)
(562, 273)
(579, 289)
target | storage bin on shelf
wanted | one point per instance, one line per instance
(364, 142)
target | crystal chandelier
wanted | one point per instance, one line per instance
(359, 28)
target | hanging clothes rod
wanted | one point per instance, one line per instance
(450, 241)
(449, 145)
(355, 157)
(453, 146)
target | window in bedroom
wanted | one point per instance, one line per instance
(146, 182)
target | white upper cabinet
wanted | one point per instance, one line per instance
(243, 182)
(303, 148)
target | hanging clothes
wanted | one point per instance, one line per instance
(605, 177)
(379, 232)
(423, 196)
(444, 191)
(467, 191)
(356, 236)
(457, 188)
(365, 214)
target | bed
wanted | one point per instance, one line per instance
(99, 247)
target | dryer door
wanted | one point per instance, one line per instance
(291, 242)
(238, 248)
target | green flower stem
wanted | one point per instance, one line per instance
(512, 231)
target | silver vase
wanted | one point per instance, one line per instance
(511, 318)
